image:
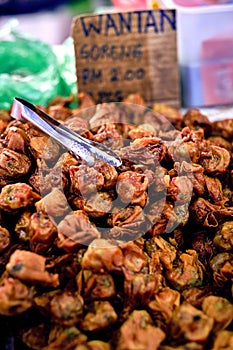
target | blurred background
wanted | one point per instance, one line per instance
(46, 20)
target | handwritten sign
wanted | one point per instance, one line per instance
(131, 52)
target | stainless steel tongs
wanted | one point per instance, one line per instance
(80, 146)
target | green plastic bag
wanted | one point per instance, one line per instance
(29, 69)
(66, 62)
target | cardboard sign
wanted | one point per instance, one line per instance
(131, 52)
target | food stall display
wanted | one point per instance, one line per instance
(103, 257)
(131, 257)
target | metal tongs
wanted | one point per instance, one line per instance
(79, 146)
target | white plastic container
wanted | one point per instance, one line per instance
(205, 50)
